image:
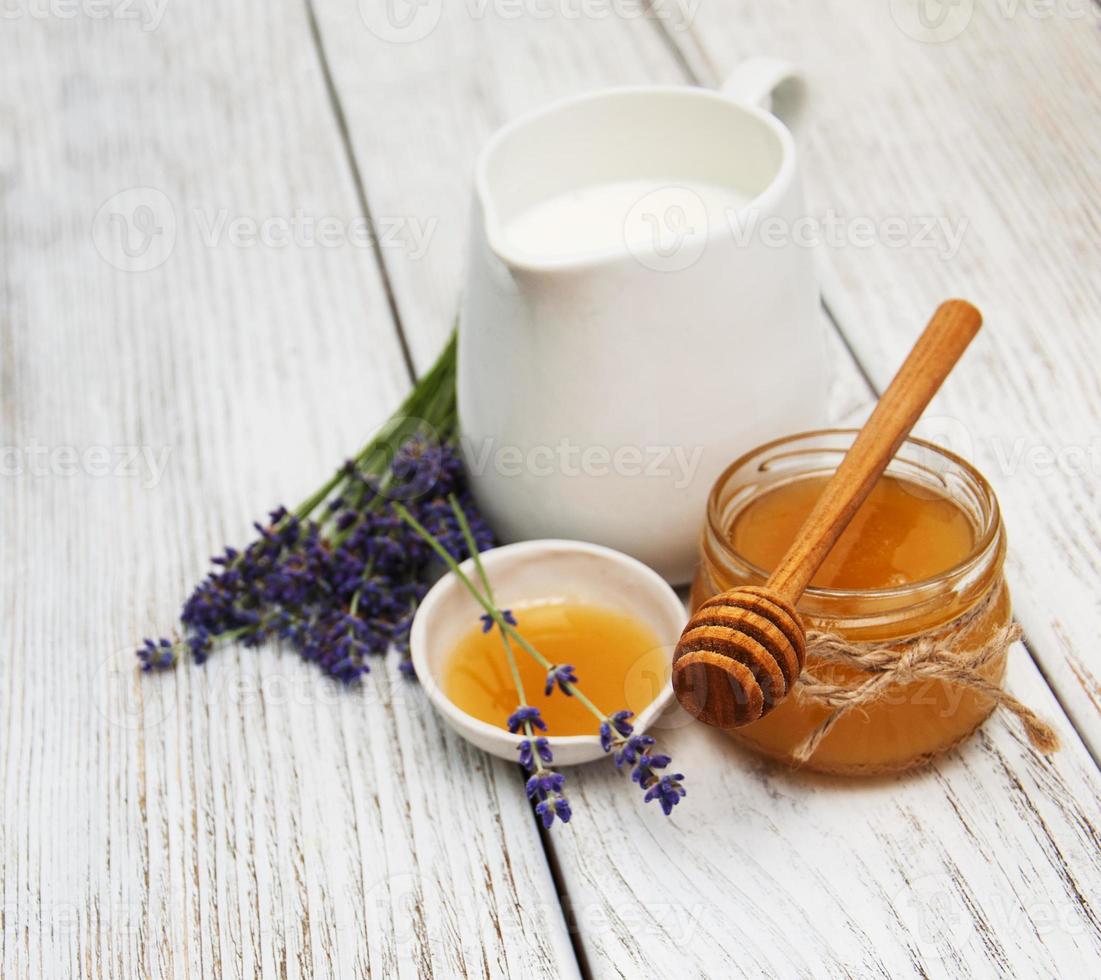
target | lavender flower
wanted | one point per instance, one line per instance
(544, 785)
(157, 654)
(488, 621)
(341, 588)
(668, 791)
(628, 749)
(553, 806)
(561, 675)
(531, 748)
(615, 725)
(526, 715)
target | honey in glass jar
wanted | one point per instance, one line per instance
(923, 556)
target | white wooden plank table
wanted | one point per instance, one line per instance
(247, 819)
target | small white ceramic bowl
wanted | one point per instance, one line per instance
(538, 571)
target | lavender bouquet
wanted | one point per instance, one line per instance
(339, 578)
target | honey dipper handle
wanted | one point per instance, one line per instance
(940, 346)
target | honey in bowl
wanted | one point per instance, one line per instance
(618, 660)
(922, 557)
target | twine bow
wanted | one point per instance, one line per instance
(927, 657)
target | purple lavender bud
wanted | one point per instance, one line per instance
(157, 654)
(530, 749)
(488, 621)
(526, 713)
(605, 736)
(544, 783)
(621, 723)
(527, 757)
(668, 792)
(542, 748)
(562, 676)
(551, 807)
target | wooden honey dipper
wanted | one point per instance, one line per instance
(742, 651)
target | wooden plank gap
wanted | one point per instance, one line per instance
(360, 190)
(873, 391)
(676, 52)
(1039, 665)
(561, 890)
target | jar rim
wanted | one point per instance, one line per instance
(986, 538)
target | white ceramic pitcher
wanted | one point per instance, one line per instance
(605, 380)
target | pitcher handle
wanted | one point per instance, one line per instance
(771, 84)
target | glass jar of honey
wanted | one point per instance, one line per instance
(922, 558)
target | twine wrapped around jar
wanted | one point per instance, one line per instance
(931, 656)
